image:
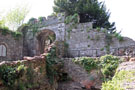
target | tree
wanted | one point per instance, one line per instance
(15, 17)
(88, 10)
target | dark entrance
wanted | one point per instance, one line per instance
(45, 38)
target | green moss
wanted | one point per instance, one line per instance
(88, 37)
(101, 49)
(15, 34)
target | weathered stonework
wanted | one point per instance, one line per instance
(82, 40)
(14, 47)
(38, 75)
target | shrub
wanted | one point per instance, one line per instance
(87, 63)
(116, 82)
(108, 65)
(9, 74)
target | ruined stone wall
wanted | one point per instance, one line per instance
(34, 76)
(82, 40)
(13, 46)
(86, 41)
(52, 23)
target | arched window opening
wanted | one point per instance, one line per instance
(3, 51)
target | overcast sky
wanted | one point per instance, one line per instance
(122, 12)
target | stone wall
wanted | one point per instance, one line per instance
(34, 76)
(52, 23)
(86, 41)
(82, 40)
(14, 47)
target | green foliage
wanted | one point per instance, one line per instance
(88, 37)
(88, 10)
(108, 65)
(101, 49)
(30, 75)
(104, 31)
(88, 29)
(15, 34)
(5, 30)
(66, 46)
(41, 19)
(9, 74)
(72, 20)
(21, 86)
(108, 41)
(34, 25)
(117, 80)
(15, 17)
(118, 36)
(51, 62)
(98, 29)
(87, 63)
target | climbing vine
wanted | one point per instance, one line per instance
(53, 65)
(71, 20)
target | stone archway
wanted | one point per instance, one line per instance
(45, 38)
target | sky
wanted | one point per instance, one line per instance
(122, 12)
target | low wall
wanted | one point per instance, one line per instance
(32, 77)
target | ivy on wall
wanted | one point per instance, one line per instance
(15, 34)
(71, 20)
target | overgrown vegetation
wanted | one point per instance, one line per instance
(118, 36)
(108, 65)
(6, 31)
(87, 63)
(9, 74)
(117, 80)
(72, 20)
(54, 66)
(33, 25)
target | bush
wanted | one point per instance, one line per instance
(108, 65)
(116, 82)
(9, 74)
(87, 63)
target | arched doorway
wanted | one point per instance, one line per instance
(45, 38)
